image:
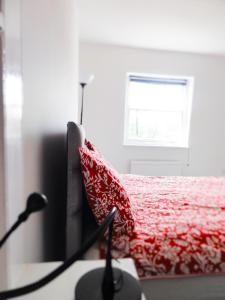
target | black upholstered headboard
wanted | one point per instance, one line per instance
(79, 219)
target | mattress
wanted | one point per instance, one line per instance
(179, 225)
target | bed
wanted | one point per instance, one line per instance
(193, 282)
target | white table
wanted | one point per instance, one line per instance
(62, 287)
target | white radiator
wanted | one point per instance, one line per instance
(156, 168)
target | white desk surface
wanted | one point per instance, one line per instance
(62, 287)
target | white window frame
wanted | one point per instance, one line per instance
(185, 141)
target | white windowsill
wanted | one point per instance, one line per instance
(133, 144)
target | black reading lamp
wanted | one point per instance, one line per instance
(84, 80)
(104, 283)
(35, 203)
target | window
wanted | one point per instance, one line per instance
(158, 110)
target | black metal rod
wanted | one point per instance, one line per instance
(82, 103)
(58, 271)
(108, 279)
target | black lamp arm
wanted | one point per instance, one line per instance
(58, 271)
(7, 235)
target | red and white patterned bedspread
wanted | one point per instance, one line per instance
(179, 225)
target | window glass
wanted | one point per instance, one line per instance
(158, 110)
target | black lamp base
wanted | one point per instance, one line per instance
(89, 287)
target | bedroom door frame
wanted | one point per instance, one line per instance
(10, 130)
(3, 253)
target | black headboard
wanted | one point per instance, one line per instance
(79, 219)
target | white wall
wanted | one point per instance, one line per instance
(104, 105)
(40, 98)
(50, 67)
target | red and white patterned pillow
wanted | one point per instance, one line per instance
(91, 146)
(104, 190)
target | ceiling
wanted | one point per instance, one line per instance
(179, 25)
